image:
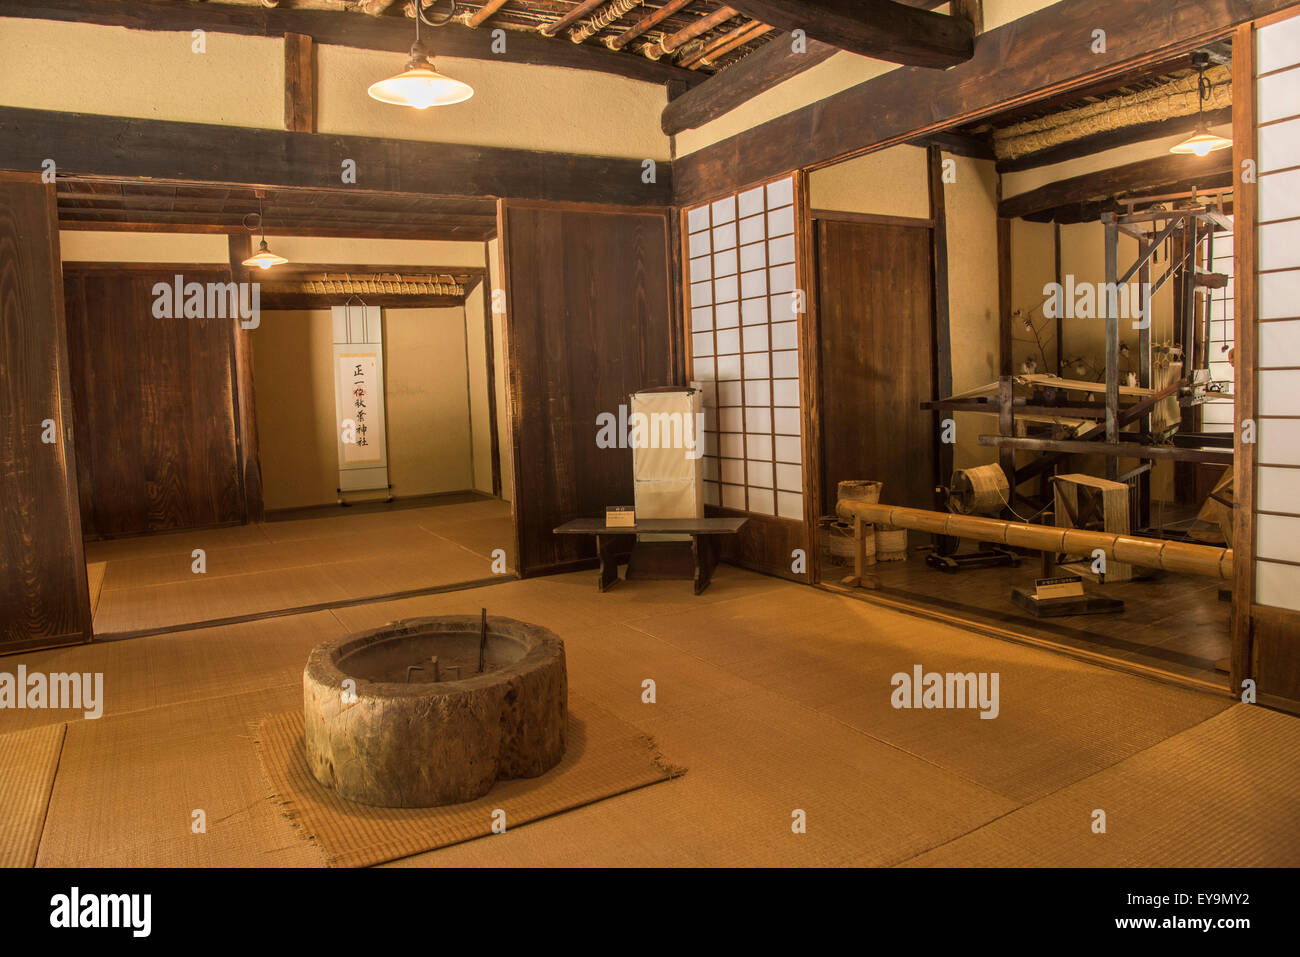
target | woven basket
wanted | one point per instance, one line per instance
(891, 543)
(858, 490)
(837, 539)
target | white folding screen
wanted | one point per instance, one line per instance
(744, 348)
(1277, 526)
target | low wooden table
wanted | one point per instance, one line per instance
(703, 532)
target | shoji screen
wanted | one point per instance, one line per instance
(1277, 528)
(744, 348)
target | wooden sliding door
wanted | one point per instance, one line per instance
(155, 405)
(874, 297)
(43, 593)
(589, 320)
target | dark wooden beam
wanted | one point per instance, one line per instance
(1137, 133)
(338, 232)
(883, 29)
(772, 63)
(1029, 59)
(206, 153)
(961, 144)
(299, 83)
(339, 28)
(1160, 173)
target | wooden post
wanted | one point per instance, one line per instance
(1143, 518)
(1245, 202)
(1007, 427)
(1112, 340)
(299, 84)
(1060, 284)
(941, 321)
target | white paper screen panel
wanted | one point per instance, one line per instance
(1277, 522)
(744, 348)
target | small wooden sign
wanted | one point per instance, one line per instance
(620, 516)
(1067, 586)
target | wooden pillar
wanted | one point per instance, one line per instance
(44, 595)
(1060, 284)
(1004, 297)
(247, 452)
(299, 83)
(1112, 341)
(942, 366)
(1245, 354)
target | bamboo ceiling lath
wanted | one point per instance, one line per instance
(1177, 97)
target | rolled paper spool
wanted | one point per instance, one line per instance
(857, 490)
(982, 490)
(891, 543)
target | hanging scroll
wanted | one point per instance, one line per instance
(359, 398)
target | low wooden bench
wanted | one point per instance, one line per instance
(703, 532)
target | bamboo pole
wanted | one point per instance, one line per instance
(1134, 550)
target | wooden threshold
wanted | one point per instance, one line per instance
(306, 609)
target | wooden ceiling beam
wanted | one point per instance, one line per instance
(1016, 64)
(1161, 174)
(337, 28)
(482, 13)
(123, 147)
(576, 13)
(708, 53)
(673, 42)
(883, 29)
(772, 63)
(651, 19)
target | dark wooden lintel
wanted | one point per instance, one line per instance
(133, 148)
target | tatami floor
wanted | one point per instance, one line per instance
(150, 582)
(774, 696)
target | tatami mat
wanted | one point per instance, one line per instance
(603, 757)
(151, 583)
(1068, 718)
(128, 790)
(1225, 793)
(28, 760)
(776, 696)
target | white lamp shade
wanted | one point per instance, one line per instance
(264, 258)
(421, 87)
(1201, 144)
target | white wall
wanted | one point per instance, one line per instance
(239, 81)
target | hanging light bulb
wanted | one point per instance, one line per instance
(420, 85)
(263, 258)
(1202, 142)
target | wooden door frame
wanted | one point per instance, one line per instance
(67, 443)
